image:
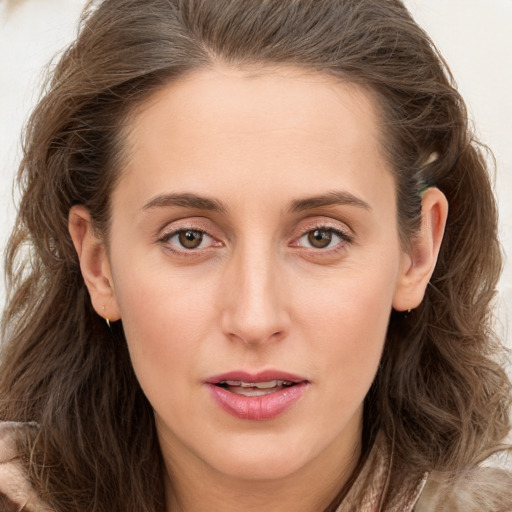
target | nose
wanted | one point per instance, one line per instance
(254, 298)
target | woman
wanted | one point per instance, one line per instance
(255, 278)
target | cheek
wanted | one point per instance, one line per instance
(347, 323)
(163, 319)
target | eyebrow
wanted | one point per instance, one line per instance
(185, 200)
(333, 198)
(189, 200)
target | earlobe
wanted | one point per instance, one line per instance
(94, 263)
(418, 263)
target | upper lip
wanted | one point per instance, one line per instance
(262, 376)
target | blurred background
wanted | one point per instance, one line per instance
(473, 35)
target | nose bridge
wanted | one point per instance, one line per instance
(255, 310)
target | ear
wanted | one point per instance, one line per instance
(419, 261)
(94, 263)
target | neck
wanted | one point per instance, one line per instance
(311, 488)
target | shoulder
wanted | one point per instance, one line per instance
(15, 490)
(485, 488)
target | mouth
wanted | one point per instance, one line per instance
(240, 387)
(260, 396)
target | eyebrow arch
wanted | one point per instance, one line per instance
(333, 198)
(185, 200)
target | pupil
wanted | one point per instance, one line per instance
(319, 238)
(190, 239)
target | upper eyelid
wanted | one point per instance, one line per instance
(175, 226)
(174, 231)
(341, 232)
(333, 225)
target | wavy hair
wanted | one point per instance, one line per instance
(440, 391)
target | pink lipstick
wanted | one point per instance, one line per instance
(261, 396)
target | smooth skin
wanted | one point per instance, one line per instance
(255, 227)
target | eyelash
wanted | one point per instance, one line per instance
(177, 248)
(343, 236)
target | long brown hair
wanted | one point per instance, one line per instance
(439, 390)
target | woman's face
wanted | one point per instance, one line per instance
(254, 259)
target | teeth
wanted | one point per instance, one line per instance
(260, 385)
(231, 382)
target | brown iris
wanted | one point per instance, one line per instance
(319, 238)
(190, 239)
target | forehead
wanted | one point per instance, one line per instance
(264, 97)
(295, 129)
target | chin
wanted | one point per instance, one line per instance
(262, 458)
(259, 468)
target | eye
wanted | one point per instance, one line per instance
(323, 238)
(320, 238)
(188, 239)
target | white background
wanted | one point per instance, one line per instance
(475, 36)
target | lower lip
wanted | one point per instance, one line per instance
(263, 407)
